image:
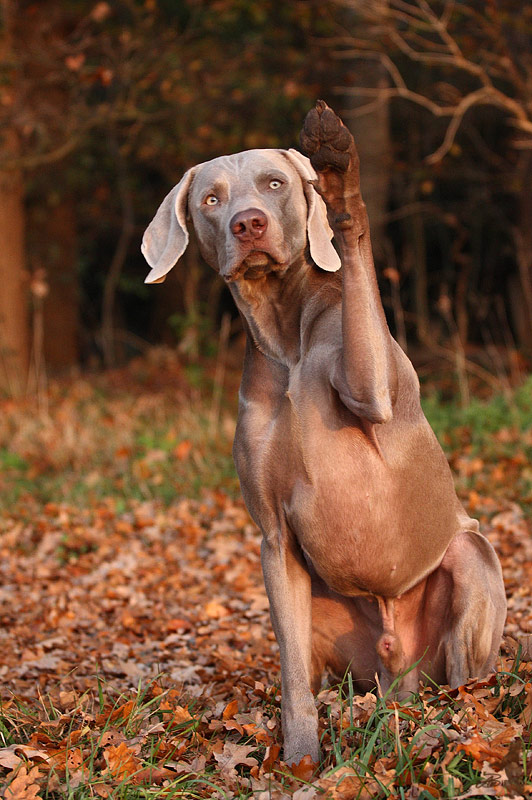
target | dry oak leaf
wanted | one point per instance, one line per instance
(175, 715)
(270, 757)
(230, 710)
(215, 610)
(23, 786)
(121, 761)
(481, 750)
(346, 784)
(525, 642)
(12, 756)
(232, 755)
(305, 769)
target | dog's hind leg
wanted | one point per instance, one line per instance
(478, 608)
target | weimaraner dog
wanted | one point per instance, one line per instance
(370, 562)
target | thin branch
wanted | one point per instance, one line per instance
(384, 59)
(474, 98)
(441, 60)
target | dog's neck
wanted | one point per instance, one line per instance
(275, 305)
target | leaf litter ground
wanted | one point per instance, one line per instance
(136, 652)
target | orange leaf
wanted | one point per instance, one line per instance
(121, 761)
(178, 624)
(215, 610)
(183, 449)
(272, 754)
(122, 713)
(481, 750)
(230, 709)
(233, 725)
(23, 786)
(305, 769)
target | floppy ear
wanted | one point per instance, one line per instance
(318, 229)
(166, 237)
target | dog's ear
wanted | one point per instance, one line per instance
(318, 229)
(166, 237)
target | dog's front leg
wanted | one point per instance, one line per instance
(366, 377)
(288, 587)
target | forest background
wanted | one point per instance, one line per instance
(104, 105)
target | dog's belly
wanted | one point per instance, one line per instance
(366, 537)
(372, 516)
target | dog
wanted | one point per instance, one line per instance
(369, 560)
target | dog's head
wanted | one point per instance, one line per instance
(253, 212)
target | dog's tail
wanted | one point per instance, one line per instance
(389, 647)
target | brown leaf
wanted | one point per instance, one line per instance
(232, 755)
(122, 713)
(271, 757)
(230, 710)
(23, 786)
(346, 784)
(12, 756)
(305, 769)
(183, 449)
(121, 761)
(481, 750)
(215, 610)
(525, 642)
(154, 776)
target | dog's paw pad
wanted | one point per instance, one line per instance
(326, 140)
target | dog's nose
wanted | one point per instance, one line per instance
(248, 225)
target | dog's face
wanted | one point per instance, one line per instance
(253, 212)
(250, 213)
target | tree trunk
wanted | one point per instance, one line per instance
(14, 334)
(523, 247)
(61, 306)
(370, 125)
(371, 130)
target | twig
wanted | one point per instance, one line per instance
(219, 373)
(119, 257)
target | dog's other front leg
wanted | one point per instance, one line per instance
(288, 587)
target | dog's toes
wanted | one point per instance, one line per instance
(326, 140)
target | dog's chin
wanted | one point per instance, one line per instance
(256, 265)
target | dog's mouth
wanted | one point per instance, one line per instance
(255, 265)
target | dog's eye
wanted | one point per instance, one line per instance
(211, 200)
(275, 184)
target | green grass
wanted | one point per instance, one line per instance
(99, 441)
(489, 443)
(425, 742)
(476, 424)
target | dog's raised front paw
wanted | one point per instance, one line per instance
(326, 140)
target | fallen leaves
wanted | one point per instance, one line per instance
(23, 785)
(137, 651)
(231, 756)
(16, 754)
(121, 762)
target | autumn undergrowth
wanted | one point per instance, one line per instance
(124, 544)
(149, 431)
(488, 443)
(150, 742)
(139, 433)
